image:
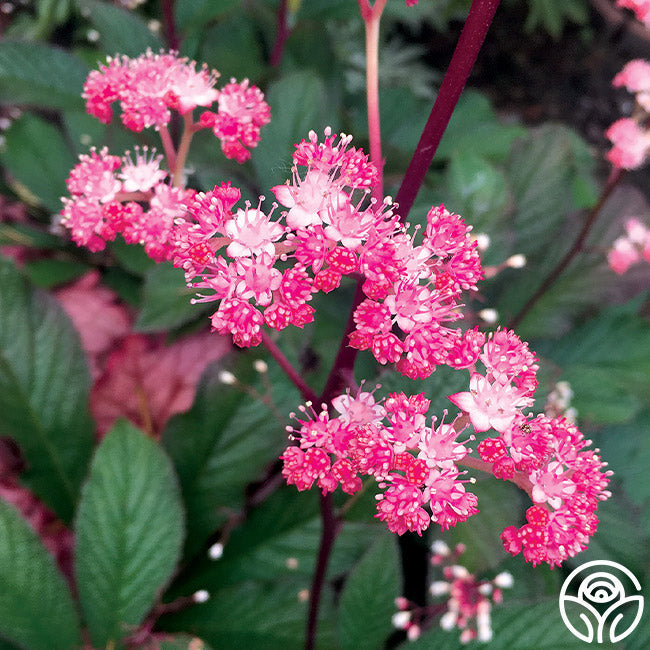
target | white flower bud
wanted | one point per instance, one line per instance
(201, 596)
(516, 261)
(438, 588)
(504, 580)
(489, 315)
(215, 552)
(400, 620)
(226, 377)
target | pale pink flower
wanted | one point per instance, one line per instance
(490, 405)
(622, 255)
(142, 174)
(358, 410)
(635, 76)
(631, 144)
(640, 7)
(252, 233)
(258, 278)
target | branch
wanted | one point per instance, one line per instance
(471, 39)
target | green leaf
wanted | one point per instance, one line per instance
(611, 382)
(224, 442)
(48, 273)
(368, 598)
(233, 47)
(44, 386)
(196, 13)
(36, 609)
(475, 129)
(38, 159)
(38, 74)
(166, 300)
(248, 615)
(298, 103)
(129, 530)
(120, 31)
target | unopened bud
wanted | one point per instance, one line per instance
(516, 261)
(504, 580)
(261, 366)
(413, 632)
(215, 552)
(489, 315)
(201, 596)
(226, 377)
(440, 548)
(438, 588)
(400, 620)
(482, 241)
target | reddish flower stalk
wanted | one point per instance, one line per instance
(614, 178)
(170, 24)
(471, 39)
(282, 34)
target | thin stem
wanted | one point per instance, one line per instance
(614, 178)
(183, 150)
(289, 370)
(372, 92)
(519, 479)
(168, 147)
(169, 24)
(281, 35)
(331, 527)
(471, 39)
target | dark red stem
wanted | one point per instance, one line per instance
(614, 178)
(281, 36)
(169, 24)
(471, 39)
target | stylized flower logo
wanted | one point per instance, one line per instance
(600, 588)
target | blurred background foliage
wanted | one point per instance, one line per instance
(527, 183)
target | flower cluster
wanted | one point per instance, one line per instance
(630, 248)
(549, 458)
(412, 290)
(413, 464)
(151, 85)
(107, 196)
(468, 600)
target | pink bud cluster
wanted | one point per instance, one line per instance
(468, 600)
(151, 85)
(107, 197)
(630, 248)
(413, 464)
(630, 135)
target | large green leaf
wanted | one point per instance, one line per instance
(166, 300)
(129, 533)
(196, 13)
(298, 103)
(607, 363)
(120, 31)
(225, 441)
(36, 609)
(34, 73)
(44, 387)
(368, 598)
(38, 159)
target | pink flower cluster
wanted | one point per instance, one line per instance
(468, 600)
(629, 135)
(566, 481)
(412, 290)
(414, 464)
(107, 193)
(151, 85)
(330, 229)
(630, 248)
(641, 8)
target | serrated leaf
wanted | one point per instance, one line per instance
(120, 31)
(291, 122)
(368, 598)
(129, 531)
(225, 441)
(248, 615)
(37, 157)
(44, 386)
(36, 609)
(41, 75)
(166, 300)
(474, 128)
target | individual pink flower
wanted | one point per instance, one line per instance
(631, 144)
(640, 7)
(143, 173)
(490, 405)
(252, 233)
(622, 255)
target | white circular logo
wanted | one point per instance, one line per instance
(601, 600)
